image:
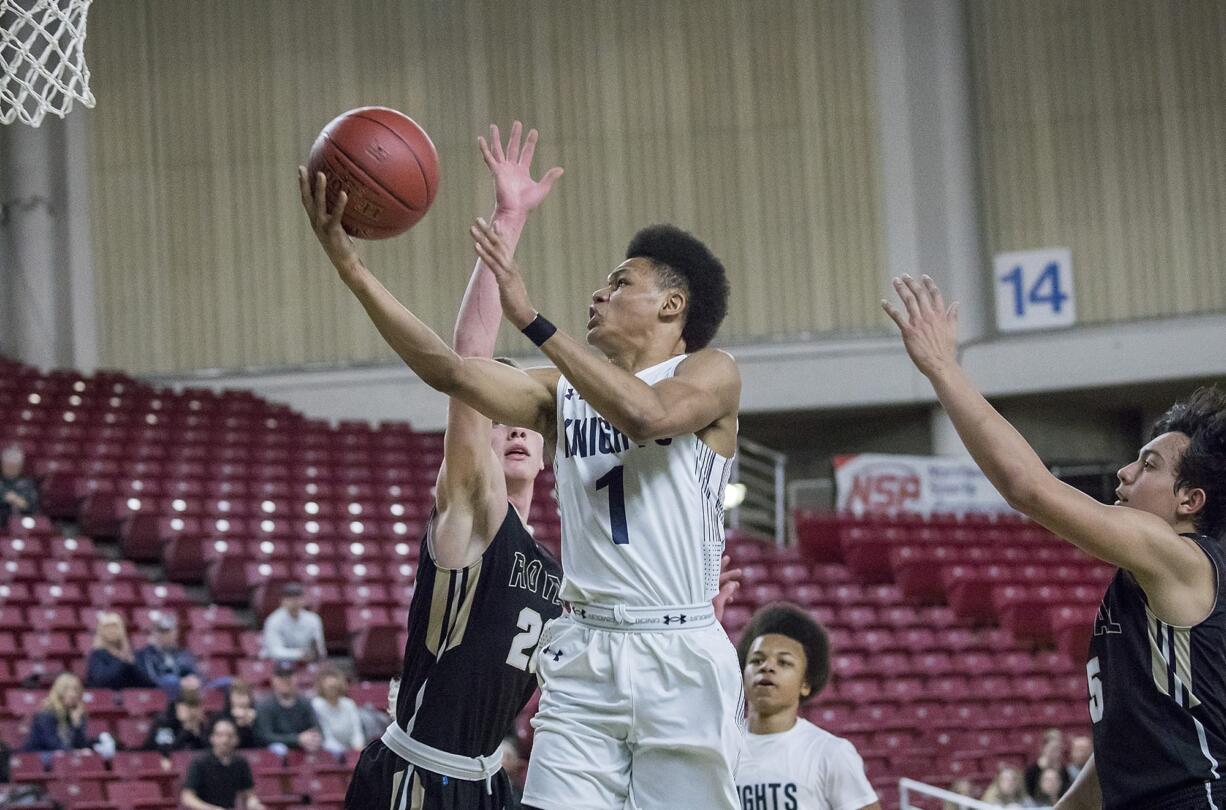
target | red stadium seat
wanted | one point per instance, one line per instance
(135, 794)
(322, 789)
(79, 794)
(377, 651)
(1072, 628)
(131, 733)
(78, 765)
(27, 768)
(143, 702)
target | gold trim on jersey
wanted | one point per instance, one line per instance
(451, 605)
(1170, 649)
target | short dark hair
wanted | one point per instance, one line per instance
(684, 261)
(221, 718)
(1202, 418)
(787, 619)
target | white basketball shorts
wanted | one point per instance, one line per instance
(635, 720)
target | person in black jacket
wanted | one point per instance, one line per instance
(182, 727)
(240, 710)
(18, 491)
(112, 664)
(60, 726)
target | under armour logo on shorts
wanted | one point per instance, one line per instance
(557, 654)
(671, 619)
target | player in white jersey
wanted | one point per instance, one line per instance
(791, 764)
(641, 693)
(641, 697)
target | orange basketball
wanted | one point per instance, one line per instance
(387, 165)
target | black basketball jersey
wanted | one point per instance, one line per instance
(1158, 699)
(472, 632)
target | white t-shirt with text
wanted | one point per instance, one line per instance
(803, 768)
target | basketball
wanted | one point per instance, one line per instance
(387, 165)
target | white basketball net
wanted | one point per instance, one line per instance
(42, 56)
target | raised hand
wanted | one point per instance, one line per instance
(929, 328)
(327, 225)
(515, 192)
(494, 252)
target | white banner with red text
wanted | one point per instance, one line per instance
(884, 484)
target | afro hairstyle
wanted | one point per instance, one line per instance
(787, 619)
(683, 261)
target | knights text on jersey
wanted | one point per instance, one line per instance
(1158, 699)
(803, 768)
(643, 525)
(468, 666)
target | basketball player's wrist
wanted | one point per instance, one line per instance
(539, 330)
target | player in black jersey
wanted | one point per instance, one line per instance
(1157, 666)
(485, 588)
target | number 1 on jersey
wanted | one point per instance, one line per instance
(615, 480)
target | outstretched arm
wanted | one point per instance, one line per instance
(1137, 541)
(471, 491)
(705, 388)
(502, 393)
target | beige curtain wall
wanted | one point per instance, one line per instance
(1102, 126)
(750, 124)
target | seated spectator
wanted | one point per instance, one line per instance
(785, 660)
(963, 787)
(111, 664)
(181, 727)
(60, 726)
(240, 710)
(291, 632)
(18, 491)
(285, 717)
(1079, 753)
(1051, 755)
(164, 661)
(221, 777)
(339, 720)
(1050, 788)
(1007, 789)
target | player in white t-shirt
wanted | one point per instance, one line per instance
(791, 764)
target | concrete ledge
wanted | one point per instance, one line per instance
(855, 372)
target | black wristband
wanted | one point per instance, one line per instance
(540, 330)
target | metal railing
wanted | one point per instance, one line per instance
(906, 787)
(764, 508)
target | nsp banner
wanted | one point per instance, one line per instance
(884, 484)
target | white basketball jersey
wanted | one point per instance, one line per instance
(642, 525)
(804, 768)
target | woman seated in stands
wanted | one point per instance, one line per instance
(338, 716)
(60, 726)
(112, 665)
(1008, 789)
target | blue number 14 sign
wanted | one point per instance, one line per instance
(1034, 290)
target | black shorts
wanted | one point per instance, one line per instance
(384, 781)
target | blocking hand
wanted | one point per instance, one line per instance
(515, 192)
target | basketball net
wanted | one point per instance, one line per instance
(42, 59)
